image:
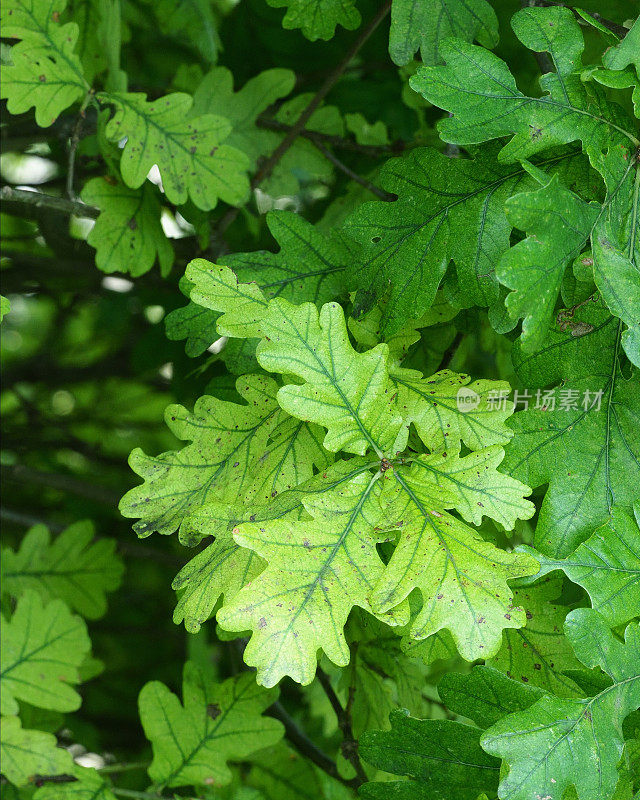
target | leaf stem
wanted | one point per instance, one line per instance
(306, 747)
(386, 196)
(296, 129)
(124, 767)
(46, 201)
(134, 793)
(349, 742)
(73, 145)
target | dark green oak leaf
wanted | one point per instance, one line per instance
(548, 746)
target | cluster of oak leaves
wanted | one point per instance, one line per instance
(346, 490)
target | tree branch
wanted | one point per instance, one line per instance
(449, 353)
(27, 520)
(349, 742)
(46, 201)
(386, 196)
(73, 146)
(65, 483)
(372, 150)
(267, 167)
(306, 747)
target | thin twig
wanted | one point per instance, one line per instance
(46, 201)
(386, 196)
(267, 167)
(349, 742)
(133, 765)
(40, 780)
(449, 353)
(133, 793)
(73, 146)
(27, 520)
(65, 483)
(306, 747)
(372, 150)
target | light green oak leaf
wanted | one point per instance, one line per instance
(190, 152)
(75, 568)
(44, 70)
(461, 577)
(318, 18)
(347, 392)
(309, 266)
(449, 409)
(127, 236)
(43, 647)
(224, 567)
(238, 454)
(317, 571)
(215, 95)
(192, 741)
(27, 753)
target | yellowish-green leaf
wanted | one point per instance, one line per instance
(193, 740)
(45, 72)
(189, 151)
(318, 570)
(27, 753)
(74, 568)
(43, 647)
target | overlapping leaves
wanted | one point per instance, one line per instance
(320, 548)
(548, 745)
(583, 440)
(447, 209)
(480, 92)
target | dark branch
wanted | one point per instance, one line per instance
(306, 747)
(27, 521)
(349, 742)
(65, 483)
(372, 150)
(274, 159)
(354, 175)
(47, 201)
(449, 353)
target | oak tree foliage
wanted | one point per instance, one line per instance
(336, 303)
